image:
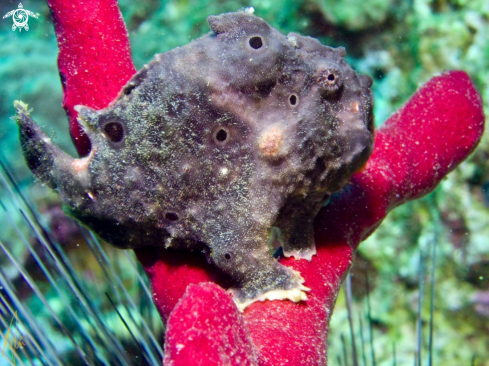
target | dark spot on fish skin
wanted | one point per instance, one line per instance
(171, 216)
(114, 131)
(221, 135)
(293, 100)
(256, 42)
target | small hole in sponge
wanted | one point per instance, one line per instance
(293, 99)
(221, 135)
(331, 77)
(227, 256)
(256, 42)
(114, 131)
(171, 216)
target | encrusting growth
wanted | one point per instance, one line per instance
(218, 146)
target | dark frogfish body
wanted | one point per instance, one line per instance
(229, 145)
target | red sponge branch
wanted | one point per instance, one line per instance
(94, 58)
(206, 321)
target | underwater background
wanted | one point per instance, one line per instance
(431, 251)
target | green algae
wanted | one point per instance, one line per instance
(357, 15)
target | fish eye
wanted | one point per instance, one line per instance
(330, 79)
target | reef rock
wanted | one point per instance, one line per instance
(229, 145)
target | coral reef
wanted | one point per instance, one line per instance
(356, 15)
(406, 47)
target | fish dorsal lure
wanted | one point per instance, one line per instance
(229, 145)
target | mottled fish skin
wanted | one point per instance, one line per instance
(229, 145)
